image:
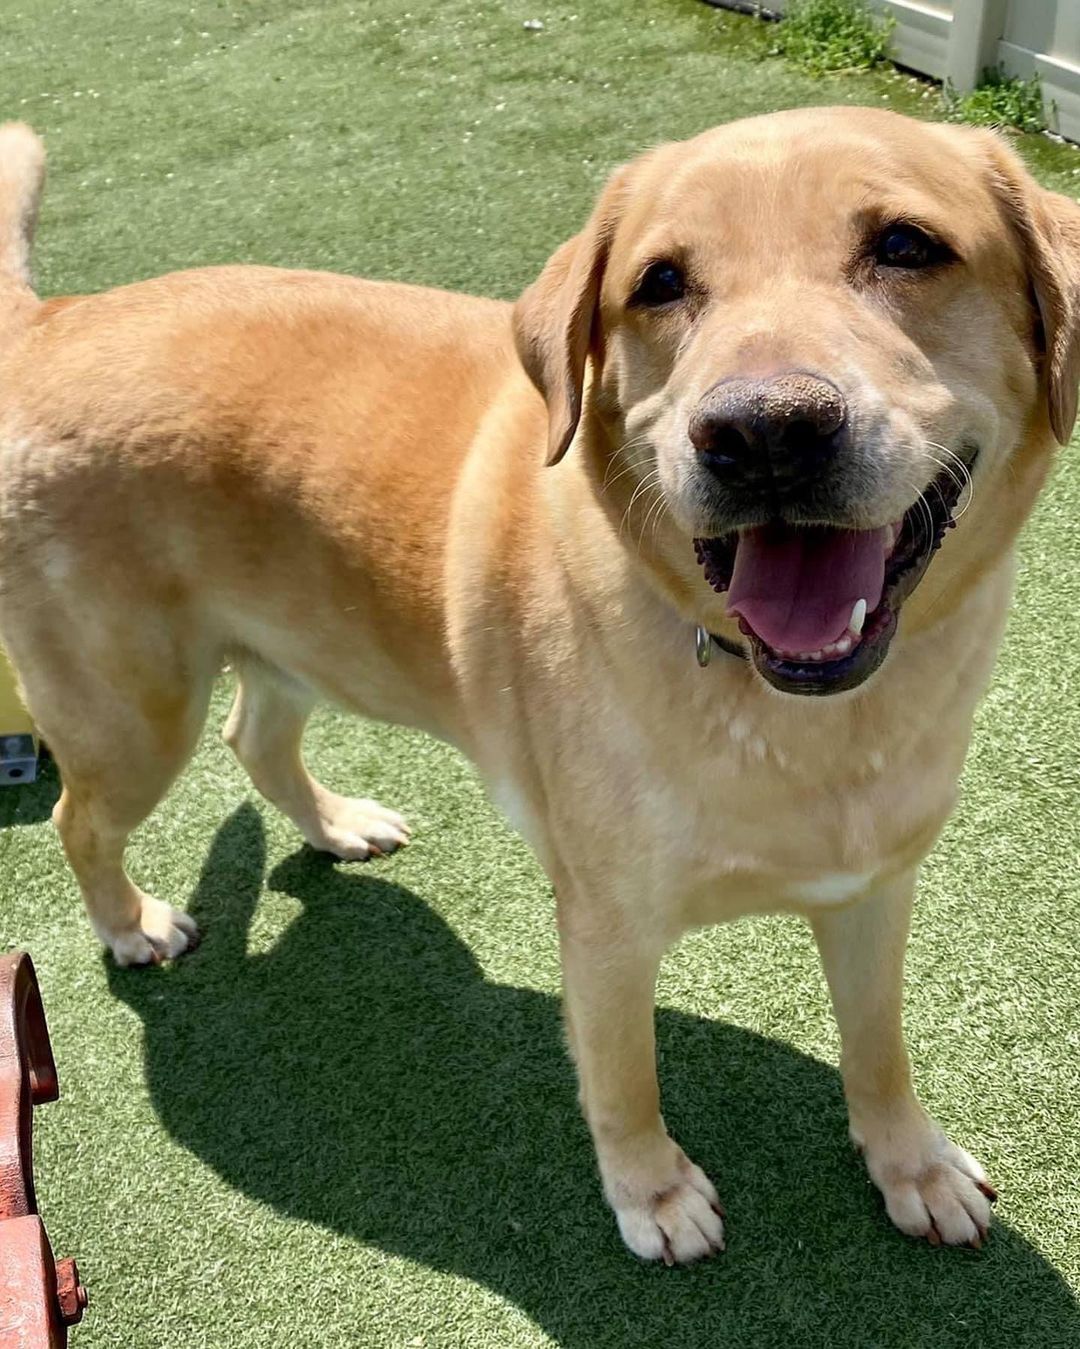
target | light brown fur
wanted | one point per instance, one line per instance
(341, 484)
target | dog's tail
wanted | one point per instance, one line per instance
(22, 176)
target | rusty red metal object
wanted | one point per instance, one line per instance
(39, 1298)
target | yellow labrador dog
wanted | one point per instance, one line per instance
(665, 548)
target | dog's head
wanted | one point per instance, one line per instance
(807, 343)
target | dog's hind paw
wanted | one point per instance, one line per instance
(356, 830)
(162, 933)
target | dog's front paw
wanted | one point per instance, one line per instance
(669, 1211)
(162, 933)
(355, 830)
(932, 1188)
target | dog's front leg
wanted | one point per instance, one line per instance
(932, 1188)
(666, 1206)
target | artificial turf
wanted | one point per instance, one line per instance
(347, 1119)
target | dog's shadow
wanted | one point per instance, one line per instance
(364, 1076)
(31, 802)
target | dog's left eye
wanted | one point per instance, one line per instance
(663, 283)
(909, 247)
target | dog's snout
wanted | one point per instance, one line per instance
(781, 428)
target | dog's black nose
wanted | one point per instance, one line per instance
(782, 428)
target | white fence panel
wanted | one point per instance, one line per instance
(921, 36)
(1042, 37)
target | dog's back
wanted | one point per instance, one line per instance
(242, 462)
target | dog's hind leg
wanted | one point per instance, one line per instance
(264, 730)
(121, 718)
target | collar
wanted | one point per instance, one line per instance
(704, 642)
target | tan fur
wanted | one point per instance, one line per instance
(22, 176)
(341, 484)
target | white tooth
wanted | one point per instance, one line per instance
(858, 618)
(817, 655)
(843, 646)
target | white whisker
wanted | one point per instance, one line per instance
(626, 468)
(656, 514)
(646, 484)
(957, 470)
(925, 513)
(619, 456)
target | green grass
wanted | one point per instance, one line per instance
(347, 1119)
(827, 35)
(999, 100)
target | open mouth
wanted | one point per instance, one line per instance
(818, 603)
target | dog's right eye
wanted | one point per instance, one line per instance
(663, 283)
(908, 247)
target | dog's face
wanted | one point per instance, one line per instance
(819, 336)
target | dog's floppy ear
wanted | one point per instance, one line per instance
(555, 319)
(1048, 227)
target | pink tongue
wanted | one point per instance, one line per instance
(795, 587)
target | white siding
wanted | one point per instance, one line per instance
(1043, 37)
(921, 37)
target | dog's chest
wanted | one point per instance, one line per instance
(809, 819)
